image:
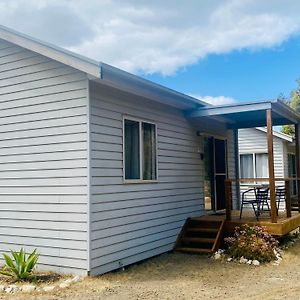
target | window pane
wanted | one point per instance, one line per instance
(246, 166)
(132, 150)
(149, 151)
(261, 165)
(220, 156)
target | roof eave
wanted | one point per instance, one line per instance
(101, 72)
(66, 57)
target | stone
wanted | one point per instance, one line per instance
(49, 288)
(243, 260)
(64, 285)
(249, 262)
(68, 281)
(255, 262)
(229, 259)
(28, 288)
(11, 288)
(76, 279)
(217, 256)
(2, 288)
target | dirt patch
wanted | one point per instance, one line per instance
(181, 276)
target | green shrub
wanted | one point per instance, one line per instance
(18, 265)
(252, 242)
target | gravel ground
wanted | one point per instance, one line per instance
(181, 276)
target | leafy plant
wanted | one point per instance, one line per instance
(252, 242)
(18, 265)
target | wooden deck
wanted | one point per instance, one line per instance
(283, 226)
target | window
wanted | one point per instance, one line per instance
(261, 165)
(254, 165)
(139, 150)
(246, 161)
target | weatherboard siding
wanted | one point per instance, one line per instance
(255, 141)
(43, 159)
(131, 222)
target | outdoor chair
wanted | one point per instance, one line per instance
(257, 198)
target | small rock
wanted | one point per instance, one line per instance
(28, 288)
(217, 256)
(11, 289)
(64, 285)
(243, 260)
(229, 259)
(49, 288)
(2, 288)
(255, 262)
(249, 262)
(76, 279)
(68, 281)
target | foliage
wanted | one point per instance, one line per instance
(288, 239)
(252, 242)
(18, 265)
(294, 103)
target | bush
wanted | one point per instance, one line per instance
(18, 265)
(252, 242)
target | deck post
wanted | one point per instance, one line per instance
(271, 166)
(228, 199)
(237, 169)
(297, 163)
(288, 205)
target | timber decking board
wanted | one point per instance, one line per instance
(283, 226)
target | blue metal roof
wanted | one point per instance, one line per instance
(249, 114)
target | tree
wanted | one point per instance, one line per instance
(294, 103)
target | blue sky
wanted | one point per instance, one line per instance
(244, 75)
(221, 51)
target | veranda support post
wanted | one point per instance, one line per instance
(288, 205)
(297, 163)
(228, 199)
(271, 166)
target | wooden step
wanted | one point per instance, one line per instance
(201, 240)
(193, 250)
(199, 229)
(200, 235)
(204, 223)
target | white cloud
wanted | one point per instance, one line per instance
(218, 100)
(155, 36)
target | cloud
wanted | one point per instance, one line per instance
(218, 100)
(155, 36)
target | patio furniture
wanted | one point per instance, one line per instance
(258, 198)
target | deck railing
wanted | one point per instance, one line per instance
(287, 183)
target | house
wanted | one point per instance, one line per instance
(253, 155)
(100, 168)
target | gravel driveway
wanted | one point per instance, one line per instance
(181, 276)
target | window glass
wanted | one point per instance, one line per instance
(261, 165)
(149, 151)
(246, 161)
(132, 150)
(140, 150)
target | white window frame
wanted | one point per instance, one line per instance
(140, 121)
(253, 160)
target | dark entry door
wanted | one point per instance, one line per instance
(220, 172)
(215, 173)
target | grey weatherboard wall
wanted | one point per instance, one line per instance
(253, 140)
(130, 222)
(43, 158)
(61, 168)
